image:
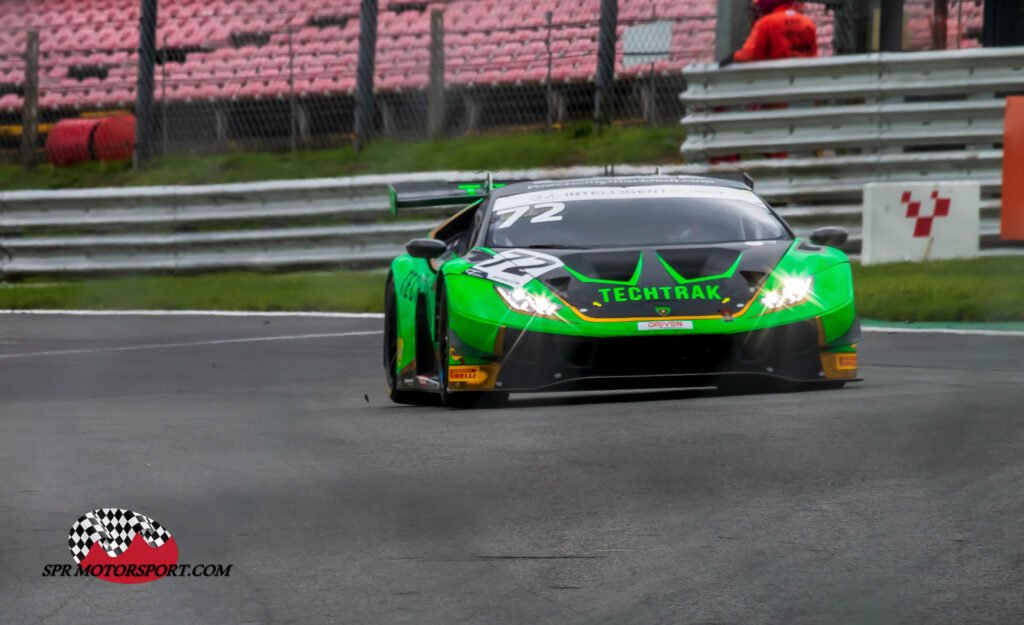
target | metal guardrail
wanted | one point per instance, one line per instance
(338, 222)
(869, 118)
(846, 121)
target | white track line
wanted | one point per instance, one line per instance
(132, 348)
(964, 332)
(192, 313)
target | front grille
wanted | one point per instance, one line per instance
(654, 355)
(640, 355)
(533, 360)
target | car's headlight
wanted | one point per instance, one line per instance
(522, 300)
(793, 291)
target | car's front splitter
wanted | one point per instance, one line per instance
(537, 361)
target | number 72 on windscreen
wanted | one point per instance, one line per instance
(538, 213)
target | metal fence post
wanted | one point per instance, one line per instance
(365, 115)
(890, 26)
(941, 17)
(291, 90)
(651, 112)
(547, 82)
(731, 27)
(605, 77)
(163, 95)
(435, 103)
(30, 108)
(144, 84)
(850, 27)
(1003, 23)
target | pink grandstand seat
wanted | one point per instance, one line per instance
(303, 86)
(246, 73)
(477, 49)
(250, 89)
(10, 102)
(276, 88)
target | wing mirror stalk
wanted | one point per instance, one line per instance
(427, 249)
(830, 236)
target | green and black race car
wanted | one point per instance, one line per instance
(616, 282)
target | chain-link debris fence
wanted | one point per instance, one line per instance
(909, 26)
(284, 74)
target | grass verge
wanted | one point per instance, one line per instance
(354, 291)
(982, 289)
(573, 146)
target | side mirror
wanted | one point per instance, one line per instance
(425, 248)
(831, 236)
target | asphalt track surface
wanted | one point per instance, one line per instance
(897, 500)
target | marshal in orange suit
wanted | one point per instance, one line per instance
(782, 32)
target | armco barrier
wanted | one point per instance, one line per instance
(275, 225)
(850, 120)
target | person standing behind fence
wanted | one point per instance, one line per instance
(782, 32)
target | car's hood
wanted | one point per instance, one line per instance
(669, 281)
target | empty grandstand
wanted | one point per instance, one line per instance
(234, 72)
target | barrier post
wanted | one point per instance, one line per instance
(731, 27)
(435, 94)
(548, 96)
(1011, 220)
(291, 92)
(605, 78)
(941, 16)
(145, 83)
(30, 109)
(890, 26)
(365, 115)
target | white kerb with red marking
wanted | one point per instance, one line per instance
(920, 221)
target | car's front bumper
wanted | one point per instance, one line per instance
(537, 361)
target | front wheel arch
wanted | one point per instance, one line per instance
(390, 356)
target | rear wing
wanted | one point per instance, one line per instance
(425, 194)
(740, 177)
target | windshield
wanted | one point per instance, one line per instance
(630, 217)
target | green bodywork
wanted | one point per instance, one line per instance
(477, 312)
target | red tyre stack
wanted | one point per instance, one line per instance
(102, 138)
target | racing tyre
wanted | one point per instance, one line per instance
(416, 398)
(457, 399)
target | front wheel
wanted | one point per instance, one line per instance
(456, 399)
